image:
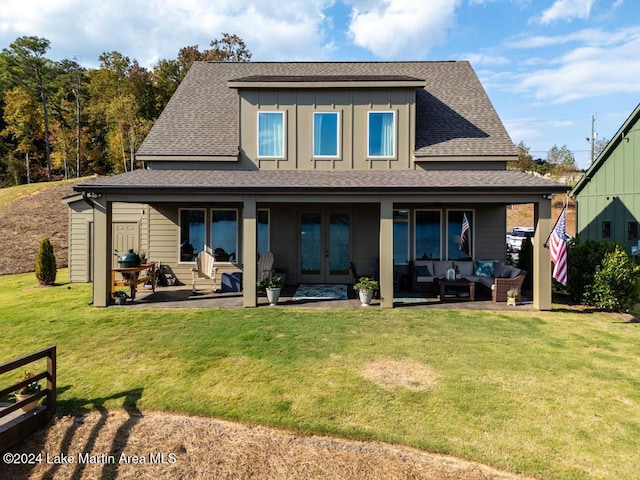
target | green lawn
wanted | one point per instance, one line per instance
(550, 394)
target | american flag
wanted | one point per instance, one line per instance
(464, 235)
(558, 250)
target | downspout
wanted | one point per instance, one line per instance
(86, 198)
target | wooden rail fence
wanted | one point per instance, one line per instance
(14, 426)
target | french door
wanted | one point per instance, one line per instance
(325, 246)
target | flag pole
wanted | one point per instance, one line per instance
(564, 207)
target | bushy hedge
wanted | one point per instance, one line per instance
(46, 269)
(582, 260)
(616, 283)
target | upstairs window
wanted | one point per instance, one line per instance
(381, 135)
(271, 134)
(325, 134)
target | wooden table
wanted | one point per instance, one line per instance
(134, 276)
(460, 283)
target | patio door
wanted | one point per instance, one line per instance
(325, 246)
(125, 238)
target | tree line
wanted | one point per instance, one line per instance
(61, 120)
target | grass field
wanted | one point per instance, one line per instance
(549, 394)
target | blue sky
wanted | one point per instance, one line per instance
(547, 65)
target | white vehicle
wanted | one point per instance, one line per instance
(518, 235)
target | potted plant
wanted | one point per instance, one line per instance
(120, 297)
(365, 287)
(28, 390)
(273, 286)
(512, 296)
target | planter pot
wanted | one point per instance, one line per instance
(511, 301)
(120, 300)
(273, 294)
(29, 406)
(365, 297)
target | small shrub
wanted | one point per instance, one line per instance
(525, 262)
(616, 283)
(46, 263)
(582, 260)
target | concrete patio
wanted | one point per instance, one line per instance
(181, 296)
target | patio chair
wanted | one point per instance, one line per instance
(265, 266)
(501, 286)
(205, 268)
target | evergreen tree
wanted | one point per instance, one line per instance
(46, 263)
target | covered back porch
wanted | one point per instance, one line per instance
(377, 221)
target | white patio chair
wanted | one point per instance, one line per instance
(205, 268)
(265, 266)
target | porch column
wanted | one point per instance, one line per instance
(102, 252)
(249, 252)
(386, 253)
(541, 258)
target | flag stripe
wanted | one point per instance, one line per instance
(558, 250)
(464, 235)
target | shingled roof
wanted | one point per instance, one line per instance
(454, 115)
(343, 181)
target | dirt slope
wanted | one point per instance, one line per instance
(25, 221)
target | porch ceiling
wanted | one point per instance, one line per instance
(348, 181)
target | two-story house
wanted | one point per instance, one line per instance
(323, 164)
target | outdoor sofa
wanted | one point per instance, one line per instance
(495, 277)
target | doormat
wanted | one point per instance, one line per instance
(410, 299)
(320, 291)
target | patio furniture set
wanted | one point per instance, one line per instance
(460, 278)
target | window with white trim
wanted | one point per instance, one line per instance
(192, 233)
(401, 237)
(263, 231)
(271, 134)
(428, 234)
(381, 135)
(224, 234)
(460, 231)
(326, 134)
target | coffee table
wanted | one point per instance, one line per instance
(461, 283)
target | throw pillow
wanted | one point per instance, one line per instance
(501, 270)
(515, 272)
(465, 268)
(484, 269)
(422, 271)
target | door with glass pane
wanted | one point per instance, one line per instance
(325, 246)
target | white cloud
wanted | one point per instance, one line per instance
(566, 10)
(401, 28)
(479, 59)
(588, 71)
(156, 29)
